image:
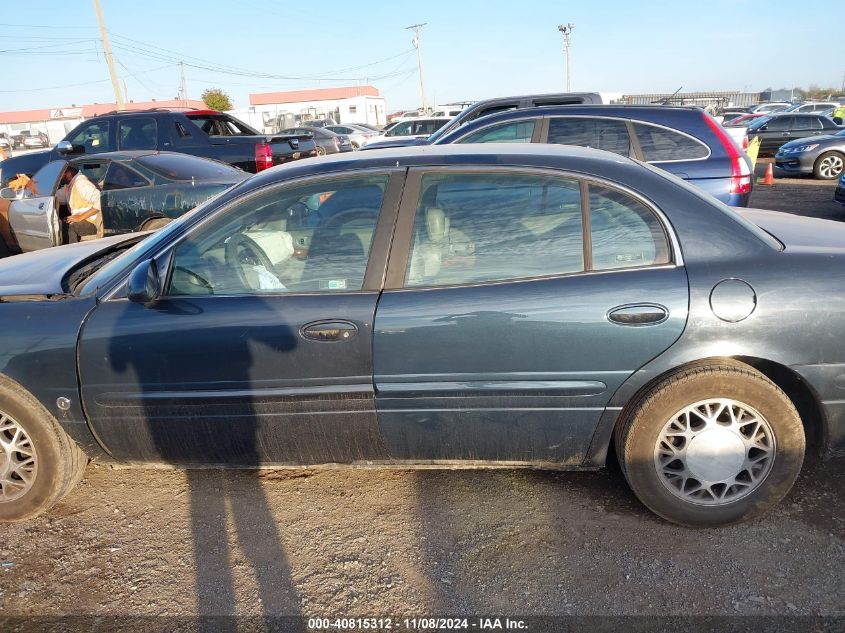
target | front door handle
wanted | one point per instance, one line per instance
(329, 331)
(41, 206)
(638, 314)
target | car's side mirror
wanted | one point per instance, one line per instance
(144, 286)
(64, 147)
(8, 193)
(763, 128)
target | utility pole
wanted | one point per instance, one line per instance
(104, 37)
(416, 42)
(183, 85)
(566, 29)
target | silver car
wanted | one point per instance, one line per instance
(821, 156)
(358, 135)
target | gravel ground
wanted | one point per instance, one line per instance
(382, 542)
(370, 542)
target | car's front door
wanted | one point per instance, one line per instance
(34, 218)
(775, 133)
(516, 304)
(260, 349)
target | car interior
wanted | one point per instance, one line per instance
(310, 240)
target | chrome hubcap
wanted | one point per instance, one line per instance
(831, 166)
(714, 452)
(18, 461)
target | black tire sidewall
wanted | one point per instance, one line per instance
(753, 390)
(49, 480)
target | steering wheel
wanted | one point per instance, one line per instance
(242, 249)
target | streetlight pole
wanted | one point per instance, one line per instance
(104, 37)
(416, 42)
(566, 29)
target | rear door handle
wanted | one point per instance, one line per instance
(329, 331)
(638, 314)
(41, 206)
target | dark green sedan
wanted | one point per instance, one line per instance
(141, 190)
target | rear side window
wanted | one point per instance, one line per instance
(137, 133)
(184, 167)
(624, 232)
(472, 228)
(220, 125)
(513, 132)
(605, 134)
(807, 123)
(662, 144)
(119, 176)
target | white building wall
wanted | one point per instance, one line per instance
(363, 109)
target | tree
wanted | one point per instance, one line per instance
(216, 99)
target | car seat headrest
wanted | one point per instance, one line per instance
(437, 224)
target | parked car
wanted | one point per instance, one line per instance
(204, 133)
(407, 131)
(781, 128)
(770, 107)
(36, 141)
(684, 141)
(812, 106)
(5, 141)
(358, 135)
(821, 156)
(28, 138)
(327, 141)
(141, 190)
(447, 312)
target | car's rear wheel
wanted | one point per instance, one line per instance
(712, 445)
(321, 151)
(829, 166)
(39, 463)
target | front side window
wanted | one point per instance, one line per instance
(44, 180)
(779, 124)
(472, 228)
(403, 129)
(313, 237)
(606, 134)
(512, 132)
(137, 133)
(662, 144)
(94, 137)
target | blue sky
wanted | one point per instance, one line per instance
(472, 48)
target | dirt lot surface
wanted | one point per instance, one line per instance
(385, 542)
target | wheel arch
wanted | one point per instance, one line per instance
(800, 393)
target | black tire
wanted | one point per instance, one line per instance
(155, 224)
(642, 426)
(321, 151)
(60, 462)
(824, 174)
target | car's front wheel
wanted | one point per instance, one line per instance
(829, 166)
(712, 445)
(39, 463)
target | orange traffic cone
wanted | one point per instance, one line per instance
(769, 178)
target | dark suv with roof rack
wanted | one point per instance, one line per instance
(205, 133)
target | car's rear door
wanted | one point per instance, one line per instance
(34, 218)
(259, 352)
(517, 302)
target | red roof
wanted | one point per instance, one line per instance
(318, 94)
(91, 109)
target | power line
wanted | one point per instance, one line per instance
(86, 83)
